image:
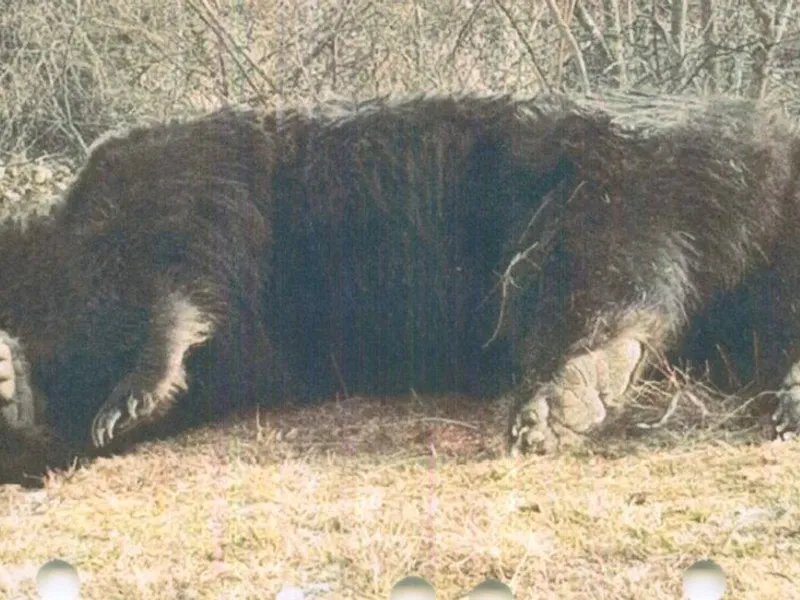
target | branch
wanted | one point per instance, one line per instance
(570, 39)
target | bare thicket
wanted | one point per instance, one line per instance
(72, 70)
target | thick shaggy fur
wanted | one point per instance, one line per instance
(247, 255)
(375, 248)
(674, 202)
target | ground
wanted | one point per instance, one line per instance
(345, 498)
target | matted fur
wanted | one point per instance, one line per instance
(378, 247)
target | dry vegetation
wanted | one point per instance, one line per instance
(345, 498)
(73, 69)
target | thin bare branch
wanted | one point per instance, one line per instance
(709, 23)
(678, 25)
(772, 28)
(588, 23)
(206, 13)
(573, 43)
(524, 42)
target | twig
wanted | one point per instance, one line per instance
(525, 43)
(339, 375)
(326, 41)
(744, 405)
(448, 422)
(462, 33)
(207, 15)
(506, 279)
(570, 39)
(673, 406)
(589, 24)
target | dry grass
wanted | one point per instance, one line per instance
(71, 70)
(345, 498)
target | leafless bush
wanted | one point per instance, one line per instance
(75, 69)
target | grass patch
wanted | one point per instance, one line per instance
(345, 498)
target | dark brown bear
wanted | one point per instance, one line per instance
(248, 255)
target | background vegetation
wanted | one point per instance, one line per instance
(72, 69)
(344, 499)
